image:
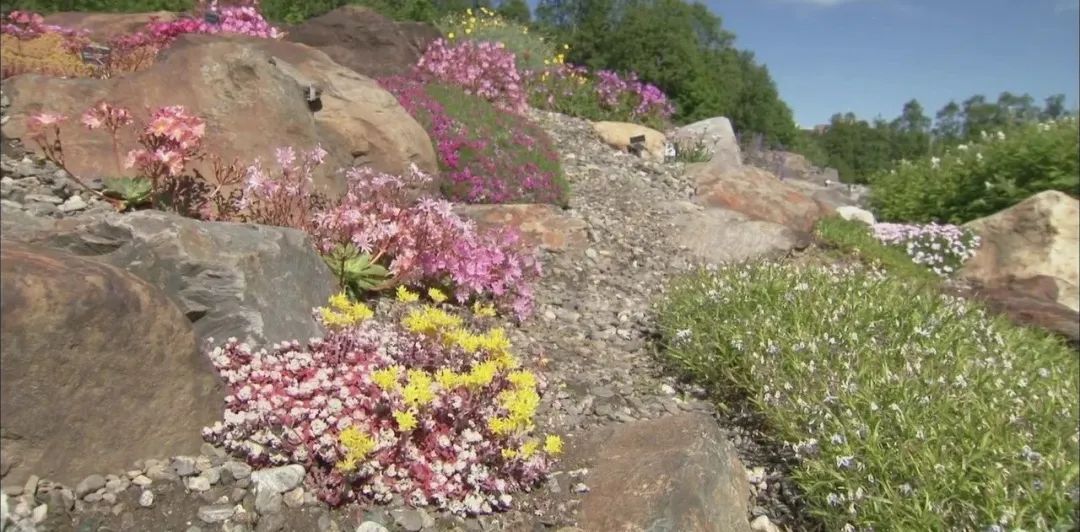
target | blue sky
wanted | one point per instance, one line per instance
(871, 56)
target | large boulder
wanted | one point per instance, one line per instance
(618, 135)
(1033, 303)
(720, 236)
(541, 225)
(365, 41)
(790, 165)
(99, 369)
(101, 27)
(717, 135)
(756, 193)
(251, 92)
(672, 473)
(253, 282)
(1039, 236)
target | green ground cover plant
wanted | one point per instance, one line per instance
(905, 409)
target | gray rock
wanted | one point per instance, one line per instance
(294, 498)
(278, 479)
(270, 523)
(238, 470)
(253, 282)
(197, 484)
(409, 519)
(73, 204)
(267, 502)
(720, 236)
(142, 481)
(89, 484)
(43, 198)
(216, 513)
(183, 466)
(718, 138)
(762, 523)
(117, 485)
(37, 515)
(371, 526)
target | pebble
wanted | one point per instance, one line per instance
(762, 523)
(183, 466)
(216, 513)
(409, 519)
(39, 513)
(74, 203)
(238, 470)
(294, 498)
(197, 484)
(146, 498)
(141, 481)
(268, 502)
(278, 479)
(89, 484)
(371, 526)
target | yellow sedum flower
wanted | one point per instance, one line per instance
(484, 311)
(450, 35)
(529, 448)
(405, 296)
(387, 378)
(553, 445)
(436, 295)
(357, 446)
(344, 313)
(509, 454)
(428, 320)
(522, 379)
(418, 391)
(406, 420)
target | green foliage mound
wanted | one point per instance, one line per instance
(978, 179)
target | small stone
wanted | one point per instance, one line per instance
(212, 474)
(237, 494)
(580, 487)
(409, 519)
(108, 497)
(117, 484)
(756, 475)
(762, 524)
(216, 513)
(39, 513)
(93, 497)
(197, 484)
(294, 498)
(591, 253)
(142, 481)
(183, 466)
(61, 498)
(43, 198)
(161, 472)
(89, 484)
(278, 479)
(31, 485)
(238, 470)
(73, 204)
(667, 389)
(371, 526)
(134, 473)
(270, 523)
(146, 498)
(118, 508)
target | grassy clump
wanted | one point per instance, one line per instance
(982, 178)
(45, 54)
(907, 409)
(849, 238)
(531, 51)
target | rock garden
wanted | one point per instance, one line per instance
(366, 275)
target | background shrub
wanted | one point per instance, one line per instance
(984, 177)
(486, 155)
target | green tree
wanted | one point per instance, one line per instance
(515, 10)
(1054, 107)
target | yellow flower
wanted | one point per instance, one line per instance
(482, 374)
(509, 454)
(343, 313)
(429, 319)
(386, 378)
(448, 379)
(418, 391)
(468, 31)
(405, 296)
(522, 379)
(357, 446)
(406, 420)
(529, 448)
(436, 295)
(566, 46)
(450, 35)
(468, 11)
(484, 311)
(553, 445)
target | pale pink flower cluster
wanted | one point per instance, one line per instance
(486, 69)
(426, 241)
(170, 139)
(287, 199)
(290, 405)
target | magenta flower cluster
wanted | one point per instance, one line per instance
(243, 19)
(429, 441)
(941, 247)
(486, 69)
(425, 242)
(487, 155)
(646, 98)
(26, 25)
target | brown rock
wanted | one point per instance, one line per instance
(251, 94)
(1039, 236)
(1032, 303)
(540, 225)
(757, 194)
(618, 134)
(365, 41)
(105, 26)
(672, 473)
(99, 369)
(721, 236)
